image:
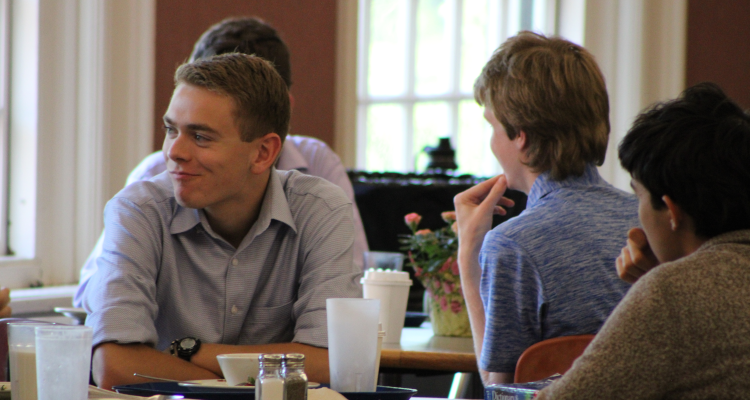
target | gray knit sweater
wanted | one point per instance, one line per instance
(681, 332)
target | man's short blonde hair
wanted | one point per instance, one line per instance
(552, 90)
(260, 95)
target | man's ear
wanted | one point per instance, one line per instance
(521, 141)
(269, 147)
(676, 214)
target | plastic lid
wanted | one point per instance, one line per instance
(386, 275)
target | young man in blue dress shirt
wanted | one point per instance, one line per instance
(222, 253)
(550, 271)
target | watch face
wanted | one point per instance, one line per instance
(187, 343)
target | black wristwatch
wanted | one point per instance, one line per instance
(185, 347)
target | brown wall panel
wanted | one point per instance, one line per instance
(307, 26)
(718, 46)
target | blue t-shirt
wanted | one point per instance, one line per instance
(550, 271)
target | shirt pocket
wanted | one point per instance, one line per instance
(268, 325)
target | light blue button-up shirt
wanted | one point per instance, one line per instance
(164, 274)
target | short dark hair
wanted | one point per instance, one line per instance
(696, 150)
(247, 35)
(553, 90)
(261, 99)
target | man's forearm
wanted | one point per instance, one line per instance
(316, 358)
(114, 364)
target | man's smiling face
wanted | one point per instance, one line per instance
(207, 161)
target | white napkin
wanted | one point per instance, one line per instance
(324, 394)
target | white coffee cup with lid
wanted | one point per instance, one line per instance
(392, 289)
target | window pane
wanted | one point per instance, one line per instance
(431, 122)
(433, 47)
(474, 155)
(474, 44)
(527, 17)
(385, 138)
(386, 58)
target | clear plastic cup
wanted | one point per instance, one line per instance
(63, 361)
(384, 260)
(352, 343)
(22, 355)
(392, 289)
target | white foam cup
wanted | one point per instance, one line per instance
(392, 289)
(352, 343)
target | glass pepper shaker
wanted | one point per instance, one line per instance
(270, 384)
(295, 379)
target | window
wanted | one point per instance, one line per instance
(79, 116)
(417, 63)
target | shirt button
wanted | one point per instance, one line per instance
(235, 262)
(234, 310)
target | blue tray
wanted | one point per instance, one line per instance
(197, 392)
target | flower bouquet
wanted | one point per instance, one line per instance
(432, 254)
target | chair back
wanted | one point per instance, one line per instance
(4, 368)
(549, 357)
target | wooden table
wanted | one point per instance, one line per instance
(420, 350)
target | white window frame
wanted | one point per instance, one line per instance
(4, 82)
(81, 107)
(639, 45)
(505, 21)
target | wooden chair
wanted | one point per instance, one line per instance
(549, 357)
(4, 344)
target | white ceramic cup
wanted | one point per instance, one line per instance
(22, 354)
(239, 368)
(384, 260)
(63, 361)
(392, 289)
(352, 343)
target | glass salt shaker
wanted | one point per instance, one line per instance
(270, 384)
(295, 379)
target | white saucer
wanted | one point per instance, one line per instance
(222, 384)
(213, 383)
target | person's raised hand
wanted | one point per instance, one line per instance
(636, 258)
(474, 209)
(4, 301)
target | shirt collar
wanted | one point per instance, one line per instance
(291, 158)
(274, 207)
(544, 184)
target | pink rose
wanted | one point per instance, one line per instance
(455, 306)
(454, 267)
(412, 220)
(423, 232)
(448, 287)
(443, 304)
(417, 271)
(448, 216)
(446, 265)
